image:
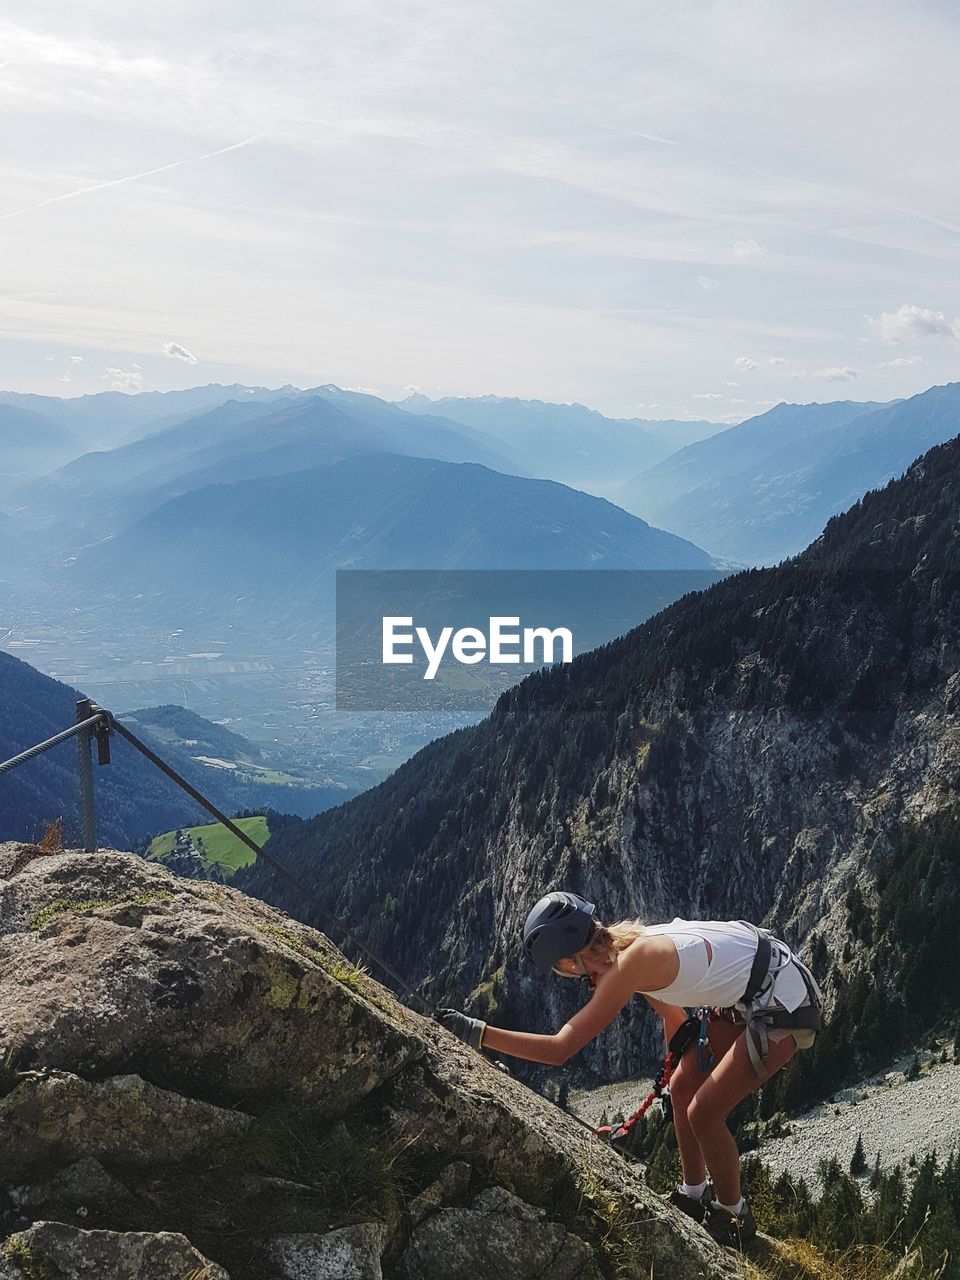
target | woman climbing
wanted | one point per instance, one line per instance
(763, 1006)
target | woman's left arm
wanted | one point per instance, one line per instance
(612, 992)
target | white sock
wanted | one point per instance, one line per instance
(735, 1209)
(694, 1192)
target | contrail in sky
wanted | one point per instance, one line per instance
(133, 177)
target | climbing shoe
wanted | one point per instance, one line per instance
(693, 1208)
(735, 1229)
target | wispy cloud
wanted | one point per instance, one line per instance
(748, 249)
(130, 177)
(899, 362)
(511, 181)
(837, 373)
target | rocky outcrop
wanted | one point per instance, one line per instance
(350, 1253)
(193, 1084)
(112, 966)
(64, 1116)
(497, 1235)
(55, 1249)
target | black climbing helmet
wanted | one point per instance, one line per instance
(559, 925)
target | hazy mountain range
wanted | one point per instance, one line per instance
(276, 540)
(31, 444)
(760, 491)
(107, 418)
(567, 442)
(751, 493)
(99, 492)
(210, 501)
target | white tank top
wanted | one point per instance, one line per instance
(721, 980)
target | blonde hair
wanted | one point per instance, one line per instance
(617, 936)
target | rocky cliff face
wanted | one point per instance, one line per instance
(194, 1085)
(753, 751)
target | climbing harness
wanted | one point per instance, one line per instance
(773, 955)
(680, 1042)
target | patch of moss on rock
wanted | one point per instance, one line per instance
(60, 906)
(33, 1268)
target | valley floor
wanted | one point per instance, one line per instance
(898, 1118)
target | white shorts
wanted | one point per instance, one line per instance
(790, 992)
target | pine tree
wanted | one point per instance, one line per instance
(858, 1161)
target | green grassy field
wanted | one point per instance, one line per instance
(260, 773)
(219, 845)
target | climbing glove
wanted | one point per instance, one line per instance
(469, 1030)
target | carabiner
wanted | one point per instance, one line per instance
(705, 1056)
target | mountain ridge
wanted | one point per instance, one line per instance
(378, 511)
(100, 491)
(570, 443)
(761, 491)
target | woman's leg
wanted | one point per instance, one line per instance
(731, 1080)
(687, 1080)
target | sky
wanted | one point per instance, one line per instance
(689, 210)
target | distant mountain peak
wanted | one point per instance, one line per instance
(762, 490)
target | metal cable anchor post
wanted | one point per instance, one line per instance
(100, 730)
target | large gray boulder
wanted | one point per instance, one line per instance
(499, 1235)
(124, 1118)
(146, 1021)
(110, 964)
(457, 1104)
(55, 1249)
(349, 1253)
